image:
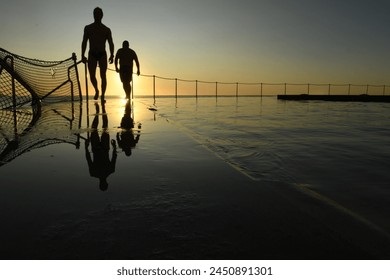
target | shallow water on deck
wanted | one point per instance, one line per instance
(337, 149)
(50, 189)
(321, 143)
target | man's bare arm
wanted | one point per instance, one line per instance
(116, 62)
(137, 63)
(111, 44)
(84, 46)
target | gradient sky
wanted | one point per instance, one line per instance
(297, 41)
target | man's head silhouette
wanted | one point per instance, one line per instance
(98, 14)
(125, 44)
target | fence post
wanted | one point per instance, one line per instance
(86, 80)
(154, 86)
(132, 86)
(13, 84)
(384, 89)
(74, 57)
(261, 89)
(308, 89)
(196, 88)
(349, 89)
(329, 89)
(176, 87)
(367, 89)
(237, 89)
(285, 88)
(216, 89)
(14, 97)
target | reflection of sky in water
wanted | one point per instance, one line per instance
(311, 142)
(54, 147)
(337, 149)
(317, 143)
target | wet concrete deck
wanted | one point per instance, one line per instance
(177, 200)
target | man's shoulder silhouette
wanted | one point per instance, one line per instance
(97, 33)
(126, 56)
(96, 28)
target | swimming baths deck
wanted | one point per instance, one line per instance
(172, 198)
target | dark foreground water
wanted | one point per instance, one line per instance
(78, 182)
(337, 149)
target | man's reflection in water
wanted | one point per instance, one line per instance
(126, 139)
(101, 166)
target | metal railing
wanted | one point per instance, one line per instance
(261, 89)
(237, 89)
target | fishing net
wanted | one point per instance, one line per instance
(29, 81)
(24, 80)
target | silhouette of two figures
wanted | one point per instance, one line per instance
(97, 34)
(99, 163)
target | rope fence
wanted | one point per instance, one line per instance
(198, 88)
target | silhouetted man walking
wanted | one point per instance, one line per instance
(97, 34)
(126, 56)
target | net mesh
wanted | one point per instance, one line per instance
(25, 80)
(34, 79)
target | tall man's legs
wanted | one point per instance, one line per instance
(103, 72)
(127, 88)
(92, 64)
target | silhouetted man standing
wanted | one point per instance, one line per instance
(97, 34)
(126, 56)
